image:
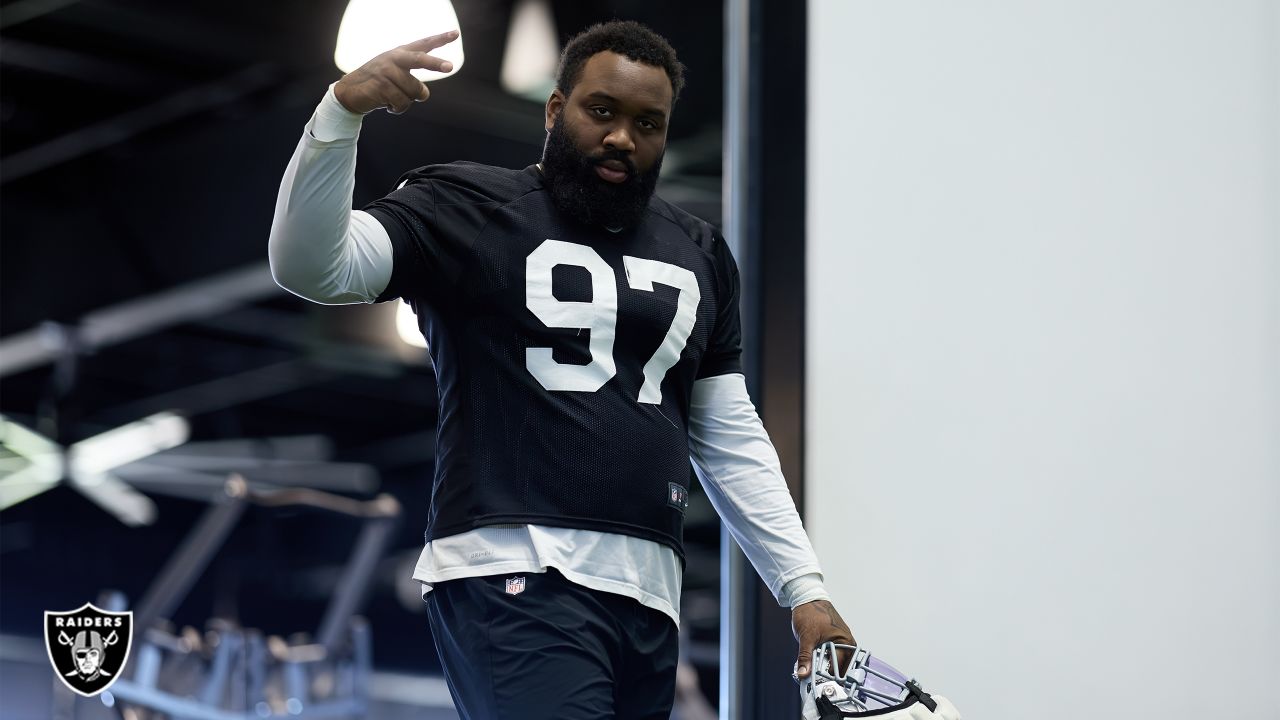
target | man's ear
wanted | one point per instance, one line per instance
(555, 106)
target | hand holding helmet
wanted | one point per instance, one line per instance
(868, 687)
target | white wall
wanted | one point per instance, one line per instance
(1043, 421)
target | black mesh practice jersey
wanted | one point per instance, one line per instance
(565, 355)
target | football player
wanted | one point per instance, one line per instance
(586, 340)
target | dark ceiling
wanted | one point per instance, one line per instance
(143, 141)
(142, 147)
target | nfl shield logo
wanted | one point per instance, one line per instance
(677, 496)
(88, 647)
(515, 585)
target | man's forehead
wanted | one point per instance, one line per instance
(608, 75)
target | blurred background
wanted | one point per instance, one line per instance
(1011, 316)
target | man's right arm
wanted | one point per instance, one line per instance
(319, 248)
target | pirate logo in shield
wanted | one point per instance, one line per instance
(88, 646)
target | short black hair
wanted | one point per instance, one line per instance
(627, 38)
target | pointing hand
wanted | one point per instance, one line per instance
(385, 81)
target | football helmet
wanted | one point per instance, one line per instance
(868, 687)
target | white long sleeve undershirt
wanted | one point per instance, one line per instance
(322, 250)
(742, 476)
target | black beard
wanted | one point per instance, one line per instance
(580, 193)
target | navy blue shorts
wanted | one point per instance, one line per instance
(554, 650)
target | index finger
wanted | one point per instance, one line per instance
(433, 42)
(410, 59)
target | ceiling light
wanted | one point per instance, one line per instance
(372, 27)
(532, 52)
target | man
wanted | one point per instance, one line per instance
(585, 336)
(89, 649)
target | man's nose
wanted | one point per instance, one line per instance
(619, 139)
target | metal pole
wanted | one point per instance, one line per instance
(734, 569)
(764, 187)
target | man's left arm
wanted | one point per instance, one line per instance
(742, 476)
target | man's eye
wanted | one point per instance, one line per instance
(600, 111)
(648, 125)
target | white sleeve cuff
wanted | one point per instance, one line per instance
(803, 589)
(332, 121)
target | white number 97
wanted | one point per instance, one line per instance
(600, 317)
